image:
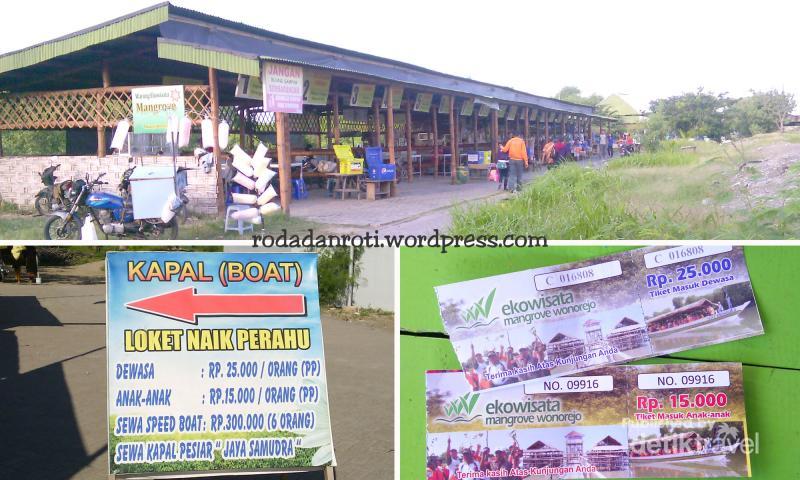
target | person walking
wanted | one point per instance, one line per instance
(610, 145)
(602, 150)
(502, 170)
(518, 158)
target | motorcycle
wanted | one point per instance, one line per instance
(625, 150)
(52, 196)
(113, 213)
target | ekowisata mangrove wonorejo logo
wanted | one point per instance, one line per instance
(478, 314)
(460, 409)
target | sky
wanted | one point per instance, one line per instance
(642, 50)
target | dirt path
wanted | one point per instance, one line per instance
(52, 359)
(769, 177)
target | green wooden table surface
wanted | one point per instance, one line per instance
(772, 360)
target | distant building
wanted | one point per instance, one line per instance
(609, 455)
(539, 455)
(564, 346)
(574, 448)
(628, 335)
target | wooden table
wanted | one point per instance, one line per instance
(771, 371)
(346, 183)
(480, 168)
(378, 188)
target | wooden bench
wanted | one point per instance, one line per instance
(689, 147)
(479, 168)
(378, 188)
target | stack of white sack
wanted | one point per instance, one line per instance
(253, 173)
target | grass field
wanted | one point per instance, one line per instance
(718, 191)
(22, 225)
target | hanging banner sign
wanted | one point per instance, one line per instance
(502, 112)
(467, 107)
(152, 107)
(484, 110)
(423, 102)
(397, 97)
(631, 421)
(362, 94)
(249, 87)
(512, 112)
(570, 318)
(215, 362)
(316, 86)
(444, 104)
(283, 87)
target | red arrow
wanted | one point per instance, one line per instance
(186, 305)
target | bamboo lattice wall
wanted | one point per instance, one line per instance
(85, 108)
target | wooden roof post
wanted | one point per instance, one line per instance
(527, 122)
(590, 131)
(494, 133)
(214, 93)
(242, 136)
(390, 135)
(376, 117)
(453, 157)
(546, 125)
(457, 140)
(563, 124)
(474, 127)
(336, 131)
(435, 125)
(101, 130)
(284, 162)
(409, 140)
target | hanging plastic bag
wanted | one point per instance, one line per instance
(241, 160)
(244, 181)
(88, 232)
(244, 198)
(268, 195)
(222, 131)
(494, 175)
(245, 214)
(184, 131)
(269, 208)
(120, 135)
(207, 133)
(171, 206)
(255, 220)
(264, 179)
(261, 152)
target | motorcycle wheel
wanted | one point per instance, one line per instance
(168, 231)
(56, 228)
(43, 205)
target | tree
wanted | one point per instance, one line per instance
(573, 94)
(338, 273)
(777, 104)
(694, 114)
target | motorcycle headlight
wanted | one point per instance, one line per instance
(77, 186)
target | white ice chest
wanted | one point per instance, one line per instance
(151, 186)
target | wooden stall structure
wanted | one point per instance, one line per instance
(628, 334)
(564, 346)
(540, 455)
(609, 455)
(82, 83)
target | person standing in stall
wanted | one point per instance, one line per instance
(518, 157)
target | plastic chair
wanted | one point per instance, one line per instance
(240, 223)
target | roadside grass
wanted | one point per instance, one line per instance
(669, 194)
(18, 225)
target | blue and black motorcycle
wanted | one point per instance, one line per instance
(112, 213)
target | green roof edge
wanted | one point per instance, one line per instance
(114, 29)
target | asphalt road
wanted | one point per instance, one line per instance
(53, 385)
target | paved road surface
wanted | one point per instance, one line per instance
(52, 359)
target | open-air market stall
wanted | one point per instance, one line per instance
(82, 85)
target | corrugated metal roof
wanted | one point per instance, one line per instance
(198, 38)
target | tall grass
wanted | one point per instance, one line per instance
(573, 202)
(570, 202)
(660, 158)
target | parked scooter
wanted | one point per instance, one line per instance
(113, 213)
(52, 196)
